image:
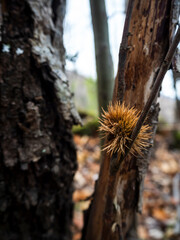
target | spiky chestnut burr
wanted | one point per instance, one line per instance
(117, 125)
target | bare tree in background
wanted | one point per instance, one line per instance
(104, 63)
(37, 154)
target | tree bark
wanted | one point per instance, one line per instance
(37, 153)
(148, 44)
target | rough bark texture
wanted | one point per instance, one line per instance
(37, 154)
(148, 42)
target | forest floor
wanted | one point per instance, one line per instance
(160, 217)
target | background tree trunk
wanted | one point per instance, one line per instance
(37, 154)
(104, 63)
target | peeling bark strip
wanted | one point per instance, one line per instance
(37, 154)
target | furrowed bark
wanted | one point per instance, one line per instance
(37, 154)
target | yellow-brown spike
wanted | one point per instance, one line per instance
(117, 125)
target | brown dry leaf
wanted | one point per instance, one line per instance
(160, 214)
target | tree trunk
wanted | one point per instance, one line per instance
(37, 154)
(104, 64)
(148, 44)
(148, 41)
